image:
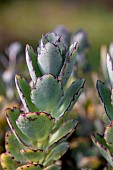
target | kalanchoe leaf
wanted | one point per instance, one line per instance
(33, 155)
(65, 35)
(81, 37)
(31, 60)
(56, 152)
(108, 134)
(50, 59)
(8, 163)
(103, 148)
(105, 119)
(36, 126)
(30, 167)
(13, 147)
(63, 131)
(69, 99)
(110, 68)
(51, 37)
(12, 115)
(53, 167)
(24, 92)
(105, 96)
(46, 93)
(68, 64)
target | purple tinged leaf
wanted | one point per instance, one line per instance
(24, 92)
(68, 64)
(11, 116)
(37, 126)
(31, 60)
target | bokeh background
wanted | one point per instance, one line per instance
(27, 20)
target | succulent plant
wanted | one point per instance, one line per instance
(104, 142)
(13, 51)
(40, 131)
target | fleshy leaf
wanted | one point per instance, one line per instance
(13, 147)
(47, 93)
(33, 155)
(8, 163)
(24, 92)
(69, 99)
(30, 167)
(12, 115)
(68, 64)
(105, 96)
(63, 131)
(51, 37)
(36, 126)
(50, 59)
(110, 68)
(31, 60)
(104, 150)
(108, 134)
(56, 153)
(105, 119)
(53, 167)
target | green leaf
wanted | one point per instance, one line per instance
(46, 93)
(53, 167)
(50, 59)
(30, 167)
(105, 119)
(108, 134)
(102, 147)
(7, 162)
(105, 96)
(24, 92)
(63, 131)
(56, 153)
(50, 37)
(37, 126)
(31, 60)
(11, 116)
(68, 64)
(33, 155)
(13, 147)
(69, 99)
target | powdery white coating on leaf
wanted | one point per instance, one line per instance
(30, 64)
(46, 93)
(110, 68)
(50, 59)
(69, 98)
(68, 64)
(21, 95)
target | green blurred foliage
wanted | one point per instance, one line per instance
(26, 20)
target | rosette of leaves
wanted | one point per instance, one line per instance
(105, 142)
(39, 133)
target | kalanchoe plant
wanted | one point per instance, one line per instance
(105, 142)
(39, 133)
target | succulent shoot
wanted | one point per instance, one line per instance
(39, 132)
(105, 142)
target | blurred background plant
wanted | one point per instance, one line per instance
(25, 21)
